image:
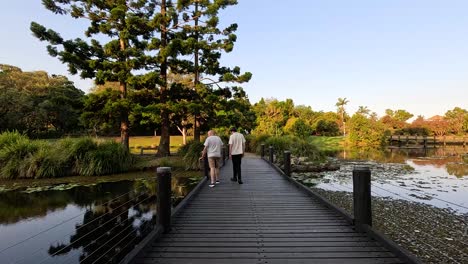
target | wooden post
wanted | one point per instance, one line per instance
(425, 141)
(287, 163)
(262, 150)
(206, 167)
(407, 140)
(445, 143)
(271, 154)
(362, 197)
(434, 141)
(399, 141)
(223, 154)
(164, 198)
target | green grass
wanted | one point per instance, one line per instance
(136, 143)
(328, 143)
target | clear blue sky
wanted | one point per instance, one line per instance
(396, 54)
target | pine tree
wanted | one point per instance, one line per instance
(125, 25)
(206, 42)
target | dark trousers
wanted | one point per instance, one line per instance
(236, 166)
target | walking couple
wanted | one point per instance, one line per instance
(213, 147)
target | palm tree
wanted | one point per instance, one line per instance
(363, 110)
(341, 111)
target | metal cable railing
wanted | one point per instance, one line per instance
(107, 233)
(59, 224)
(439, 246)
(100, 225)
(134, 231)
(423, 216)
(432, 196)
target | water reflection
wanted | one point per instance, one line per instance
(437, 176)
(93, 224)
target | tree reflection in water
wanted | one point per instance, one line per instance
(450, 158)
(110, 231)
(115, 217)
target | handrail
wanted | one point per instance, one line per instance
(392, 246)
(139, 249)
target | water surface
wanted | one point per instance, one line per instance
(97, 223)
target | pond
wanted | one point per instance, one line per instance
(99, 222)
(438, 177)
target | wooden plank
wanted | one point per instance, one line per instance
(252, 254)
(293, 240)
(277, 246)
(269, 261)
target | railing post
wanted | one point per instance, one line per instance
(362, 197)
(206, 167)
(163, 193)
(425, 141)
(262, 150)
(287, 163)
(271, 153)
(224, 154)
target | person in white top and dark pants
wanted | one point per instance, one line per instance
(236, 152)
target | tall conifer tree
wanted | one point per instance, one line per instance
(125, 26)
(206, 41)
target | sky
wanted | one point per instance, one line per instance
(382, 54)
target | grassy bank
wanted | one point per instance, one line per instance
(23, 158)
(136, 143)
(328, 144)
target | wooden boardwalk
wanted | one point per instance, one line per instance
(265, 220)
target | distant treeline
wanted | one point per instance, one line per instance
(46, 106)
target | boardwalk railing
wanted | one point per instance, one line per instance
(406, 141)
(417, 228)
(164, 214)
(362, 219)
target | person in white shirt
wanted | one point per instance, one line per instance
(236, 152)
(213, 147)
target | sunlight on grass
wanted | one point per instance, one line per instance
(328, 143)
(136, 143)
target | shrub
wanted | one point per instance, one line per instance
(301, 147)
(9, 138)
(13, 153)
(24, 158)
(254, 142)
(49, 161)
(279, 144)
(191, 154)
(109, 157)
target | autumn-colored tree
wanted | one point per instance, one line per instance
(458, 120)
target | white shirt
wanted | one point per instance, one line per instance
(213, 145)
(237, 141)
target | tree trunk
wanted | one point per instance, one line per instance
(124, 133)
(183, 131)
(196, 81)
(196, 130)
(164, 143)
